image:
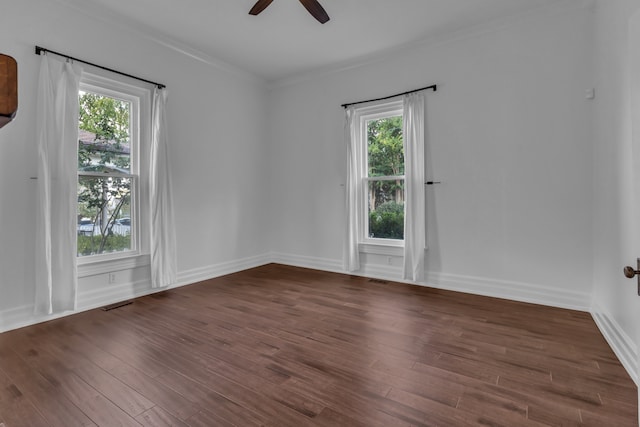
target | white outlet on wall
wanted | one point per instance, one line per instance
(112, 277)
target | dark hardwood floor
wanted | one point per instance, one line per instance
(283, 346)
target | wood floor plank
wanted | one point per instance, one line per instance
(593, 419)
(232, 368)
(206, 418)
(156, 392)
(49, 354)
(260, 400)
(56, 408)
(217, 406)
(487, 404)
(146, 388)
(95, 404)
(284, 346)
(109, 341)
(158, 417)
(330, 418)
(15, 408)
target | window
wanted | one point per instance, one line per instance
(382, 188)
(108, 184)
(385, 183)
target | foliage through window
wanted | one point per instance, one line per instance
(106, 173)
(384, 178)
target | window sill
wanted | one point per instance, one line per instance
(382, 249)
(88, 268)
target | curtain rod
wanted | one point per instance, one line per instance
(39, 50)
(433, 87)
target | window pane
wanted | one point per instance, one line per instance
(104, 215)
(104, 130)
(385, 151)
(386, 209)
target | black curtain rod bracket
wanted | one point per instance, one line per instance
(432, 87)
(39, 51)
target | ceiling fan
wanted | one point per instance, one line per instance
(312, 6)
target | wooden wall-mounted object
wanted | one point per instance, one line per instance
(8, 89)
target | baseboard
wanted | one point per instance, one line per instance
(622, 345)
(221, 269)
(516, 291)
(19, 317)
(313, 263)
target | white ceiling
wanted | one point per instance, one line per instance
(285, 40)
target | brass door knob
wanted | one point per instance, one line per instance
(630, 272)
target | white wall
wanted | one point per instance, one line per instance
(216, 124)
(615, 302)
(509, 135)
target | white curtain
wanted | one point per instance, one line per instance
(164, 264)
(57, 139)
(414, 218)
(351, 252)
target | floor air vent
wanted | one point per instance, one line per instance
(378, 281)
(116, 305)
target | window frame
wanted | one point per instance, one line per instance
(140, 132)
(365, 115)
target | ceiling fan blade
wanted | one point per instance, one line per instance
(259, 6)
(316, 10)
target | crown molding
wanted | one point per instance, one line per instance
(90, 9)
(438, 39)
